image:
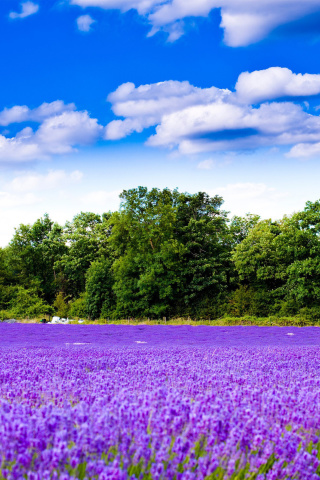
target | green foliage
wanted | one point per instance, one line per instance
(256, 258)
(33, 252)
(6, 275)
(241, 301)
(310, 314)
(5, 314)
(86, 238)
(281, 260)
(165, 254)
(100, 299)
(26, 303)
(171, 252)
(240, 227)
(61, 306)
(246, 300)
(78, 307)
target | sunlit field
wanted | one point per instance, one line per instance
(159, 402)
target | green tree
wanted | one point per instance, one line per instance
(281, 261)
(32, 254)
(256, 257)
(171, 252)
(259, 267)
(99, 289)
(85, 237)
(240, 227)
(299, 249)
(61, 306)
(7, 279)
(25, 302)
(78, 307)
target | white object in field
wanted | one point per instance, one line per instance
(80, 321)
(138, 341)
(55, 320)
(290, 333)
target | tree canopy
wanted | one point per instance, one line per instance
(163, 254)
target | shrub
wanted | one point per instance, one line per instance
(61, 306)
(27, 303)
(78, 308)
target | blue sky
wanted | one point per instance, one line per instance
(98, 96)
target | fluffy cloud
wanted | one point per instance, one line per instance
(276, 82)
(145, 106)
(222, 126)
(200, 120)
(60, 131)
(243, 22)
(84, 23)
(21, 113)
(302, 150)
(27, 9)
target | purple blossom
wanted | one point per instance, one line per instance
(188, 404)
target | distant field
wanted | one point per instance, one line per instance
(159, 402)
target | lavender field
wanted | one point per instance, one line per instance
(124, 402)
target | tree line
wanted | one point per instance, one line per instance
(164, 254)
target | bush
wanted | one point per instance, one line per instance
(77, 308)
(5, 314)
(61, 306)
(311, 314)
(26, 303)
(286, 308)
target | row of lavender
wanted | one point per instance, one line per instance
(85, 412)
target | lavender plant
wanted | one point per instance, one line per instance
(163, 409)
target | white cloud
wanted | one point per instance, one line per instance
(194, 120)
(12, 115)
(275, 82)
(142, 6)
(302, 150)
(174, 30)
(60, 133)
(21, 113)
(84, 23)
(57, 134)
(54, 179)
(206, 164)
(243, 22)
(27, 9)
(222, 126)
(145, 106)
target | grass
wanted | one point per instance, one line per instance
(272, 321)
